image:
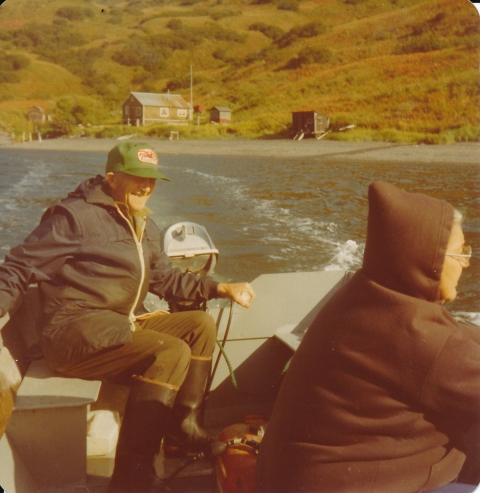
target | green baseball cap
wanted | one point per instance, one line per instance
(134, 158)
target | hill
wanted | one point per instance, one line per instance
(399, 70)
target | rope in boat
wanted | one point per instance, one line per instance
(221, 346)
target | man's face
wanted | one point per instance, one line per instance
(131, 190)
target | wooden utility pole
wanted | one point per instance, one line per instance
(191, 92)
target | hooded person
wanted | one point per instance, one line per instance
(385, 383)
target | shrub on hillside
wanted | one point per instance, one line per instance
(175, 24)
(309, 30)
(223, 55)
(75, 13)
(271, 32)
(140, 76)
(147, 86)
(420, 44)
(182, 40)
(291, 5)
(271, 54)
(179, 39)
(73, 110)
(9, 64)
(420, 29)
(179, 83)
(48, 41)
(253, 57)
(105, 84)
(310, 55)
(223, 14)
(247, 96)
(13, 62)
(79, 62)
(220, 33)
(437, 18)
(152, 52)
(13, 120)
(138, 53)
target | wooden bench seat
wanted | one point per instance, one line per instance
(43, 415)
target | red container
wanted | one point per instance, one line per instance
(236, 467)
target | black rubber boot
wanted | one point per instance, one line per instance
(147, 413)
(186, 434)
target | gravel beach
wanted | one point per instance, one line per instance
(460, 153)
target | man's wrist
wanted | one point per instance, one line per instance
(222, 290)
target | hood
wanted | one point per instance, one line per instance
(407, 237)
(93, 190)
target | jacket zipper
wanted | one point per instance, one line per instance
(138, 244)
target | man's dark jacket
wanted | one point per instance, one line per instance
(93, 274)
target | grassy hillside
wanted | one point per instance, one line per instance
(399, 70)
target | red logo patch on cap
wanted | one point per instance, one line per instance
(147, 156)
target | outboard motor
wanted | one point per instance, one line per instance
(190, 248)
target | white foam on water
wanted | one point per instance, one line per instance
(472, 317)
(273, 239)
(277, 224)
(349, 256)
(211, 178)
(28, 186)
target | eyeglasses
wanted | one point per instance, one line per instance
(464, 257)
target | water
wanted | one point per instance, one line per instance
(264, 214)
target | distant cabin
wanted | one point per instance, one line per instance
(309, 123)
(145, 108)
(36, 115)
(220, 114)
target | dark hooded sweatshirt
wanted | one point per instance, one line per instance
(385, 383)
(94, 271)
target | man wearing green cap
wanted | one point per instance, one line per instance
(95, 256)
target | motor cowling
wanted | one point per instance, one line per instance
(191, 249)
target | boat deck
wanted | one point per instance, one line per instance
(195, 478)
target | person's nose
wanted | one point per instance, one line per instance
(147, 186)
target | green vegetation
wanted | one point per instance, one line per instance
(399, 70)
(9, 65)
(310, 30)
(272, 32)
(310, 55)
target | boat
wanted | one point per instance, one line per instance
(58, 434)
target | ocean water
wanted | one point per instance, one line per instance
(264, 214)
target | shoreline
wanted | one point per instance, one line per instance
(459, 153)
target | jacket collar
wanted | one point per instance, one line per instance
(93, 191)
(96, 191)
